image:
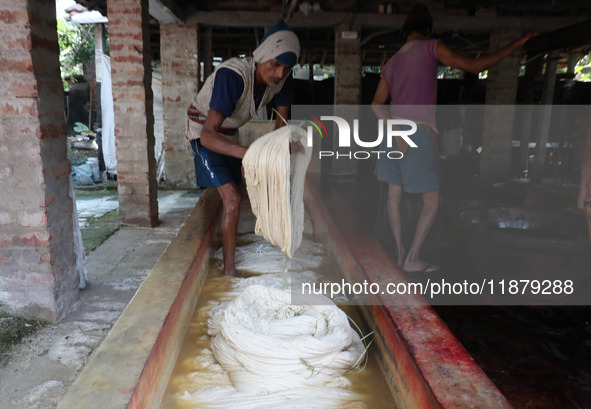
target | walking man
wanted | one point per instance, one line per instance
(409, 80)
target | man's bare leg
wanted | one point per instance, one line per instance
(413, 263)
(231, 213)
(393, 208)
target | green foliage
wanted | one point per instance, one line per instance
(449, 73)
(76, 43)
(13, 329)
(82, 128)
(583, 68)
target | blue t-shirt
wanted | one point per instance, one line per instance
(229, 86)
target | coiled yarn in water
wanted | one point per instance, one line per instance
(267, 345)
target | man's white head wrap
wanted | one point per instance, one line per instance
(280, 43)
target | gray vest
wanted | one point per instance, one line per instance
(245, 107)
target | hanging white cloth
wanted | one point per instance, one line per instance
(108, 117)
(78, 244)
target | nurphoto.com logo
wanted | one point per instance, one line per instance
(394, 128)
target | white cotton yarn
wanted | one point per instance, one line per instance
(268, 345)
(261, 257)
(265, 353)
(275, 183)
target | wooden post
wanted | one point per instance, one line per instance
(573, 59)
(207, 53)
(532, 70)
(588, 211)
(311, 77)
(585, 186)
(544, 130)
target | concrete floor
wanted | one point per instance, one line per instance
(39, 371)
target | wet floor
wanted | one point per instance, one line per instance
(538, 356)
(98, 211)
(92, 205)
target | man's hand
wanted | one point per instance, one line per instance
(213, 140)
(520, 42)
(297, 145)
(402, 145)
(282, 115)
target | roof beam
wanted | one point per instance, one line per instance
(166, 11)
(575, 35)
(442, 22)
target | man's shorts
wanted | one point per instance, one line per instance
(214, 169)
(417, 171)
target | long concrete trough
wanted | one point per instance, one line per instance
(423, 363)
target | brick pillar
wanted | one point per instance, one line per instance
(347, 85)
(37, 259)
(501, 89)
(178, 45)
(133, 107)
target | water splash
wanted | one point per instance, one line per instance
(286, 269)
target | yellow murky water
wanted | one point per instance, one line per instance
(369, 383)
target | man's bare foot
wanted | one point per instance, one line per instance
(400, 258)
(419, 266)
(229, 271)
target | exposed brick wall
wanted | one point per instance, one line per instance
(178, 45)
(133, 107)
(501, 89)
(347, 85)
(37, 260)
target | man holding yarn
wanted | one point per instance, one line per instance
(230, 97)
